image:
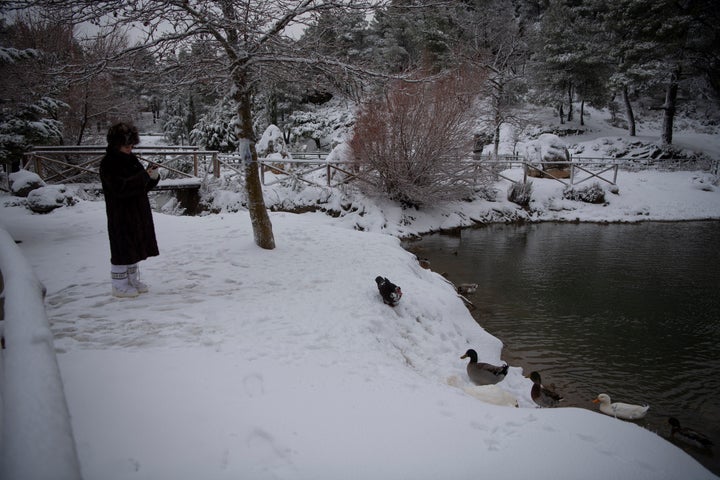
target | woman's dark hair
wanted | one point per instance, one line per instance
(122, 134)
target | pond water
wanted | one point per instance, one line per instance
(632, 310)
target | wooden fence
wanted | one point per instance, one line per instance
(80, 164)
(186, 165)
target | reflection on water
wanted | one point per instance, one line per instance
(632, 310)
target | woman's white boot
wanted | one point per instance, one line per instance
(134, 278)
(121, 286)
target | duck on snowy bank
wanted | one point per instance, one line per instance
(483, 373)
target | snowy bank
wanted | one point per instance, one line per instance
(33, 410)
(648, 195)
(246, 363)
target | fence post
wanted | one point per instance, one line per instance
(216, 165)
(38, 165)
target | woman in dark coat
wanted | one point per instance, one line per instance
(125, 184)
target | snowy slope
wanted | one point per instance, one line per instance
(246, 363)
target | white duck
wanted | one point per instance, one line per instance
(625, 411)
(491, 394)
(486, 393)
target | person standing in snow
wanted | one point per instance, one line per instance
(125, 184)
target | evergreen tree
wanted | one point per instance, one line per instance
(653, 44)
(416, 34)
(568, 61)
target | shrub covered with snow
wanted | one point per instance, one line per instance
(588, 194)
(47, 199)
(23, 182)
(706, 182)
(520, 193)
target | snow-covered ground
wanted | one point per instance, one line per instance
(285, 364)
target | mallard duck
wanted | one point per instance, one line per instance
(542, 395)
(483, 373)
(688, 435)
(625, 411)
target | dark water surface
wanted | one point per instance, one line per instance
(631, 310)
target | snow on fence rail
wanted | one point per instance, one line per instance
(183, 165)
(78, 164)
(81, 163)
(37, 440)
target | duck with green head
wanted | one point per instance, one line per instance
(543, 396)
(688, 435)
(483, 373)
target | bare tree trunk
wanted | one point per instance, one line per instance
(669, 106)
(496, 141)
(259, 218)
(498, 120)
(629, 112)
(582, 112)
(562, 115)
(84, 121)
(570, 102)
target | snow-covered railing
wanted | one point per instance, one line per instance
(75, 163)
(299, 169)
(569, 173)
(36, 439)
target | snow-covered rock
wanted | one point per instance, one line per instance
(272, 142)
(547, 153)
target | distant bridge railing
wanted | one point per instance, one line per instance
(298, 168)
(80, 164)
(569, 173)
(185, 165)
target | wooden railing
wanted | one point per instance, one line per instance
(80, 164)
(293, 169)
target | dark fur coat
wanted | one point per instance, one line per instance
(130, 225)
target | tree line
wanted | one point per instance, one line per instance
(216, 72)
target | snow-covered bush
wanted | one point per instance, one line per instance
(706, 182)
(589, 194)
(520, 193)
(46, 199)
(23, 182)
(411, 144)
